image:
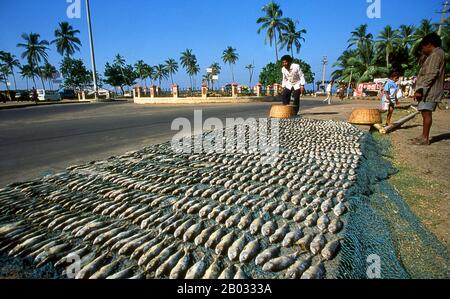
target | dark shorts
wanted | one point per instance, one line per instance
(427, 106)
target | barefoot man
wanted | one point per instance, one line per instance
(293, 80)
(430, 83)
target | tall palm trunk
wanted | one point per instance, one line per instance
(171, 78)
(387, 58)
(14, 77)
(27, 84)
(232, 73)
(276, 46)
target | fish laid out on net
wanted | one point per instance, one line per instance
(160, 213)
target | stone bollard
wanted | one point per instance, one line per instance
(276, 89)
(153, 91)
(83, 95)
(258, 89)
(204, 91)
(268, 93)
(234, 90)
(175, 91)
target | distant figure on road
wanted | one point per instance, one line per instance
(34, 95)
(430, 83)
(389, 99)
(329, 92)
(293, 80)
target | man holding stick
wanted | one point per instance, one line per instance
(430, 83)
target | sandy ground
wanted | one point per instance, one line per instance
(423, 179)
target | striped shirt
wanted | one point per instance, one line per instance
(432, 76)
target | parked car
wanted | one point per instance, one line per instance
(23, 96)
(67, 94)
(48, 95)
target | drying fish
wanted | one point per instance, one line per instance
(323, 222)
(182, 265)
(225, 243)
(335, 226)
(197, 270)
(236, 248)
(317, 244)
(249, 252)
(214, 271)
(315, 272)
(292, 237)
(280, 263)
(298, 268)
(267, 255)
(279, 234)
(269, 228)
(331, 249)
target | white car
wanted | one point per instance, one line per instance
(48, 95)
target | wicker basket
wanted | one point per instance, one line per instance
(365, 117)
(282, 111)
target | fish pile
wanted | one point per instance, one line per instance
(158, 213)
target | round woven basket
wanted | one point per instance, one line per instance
(282, 111)
(365, 117)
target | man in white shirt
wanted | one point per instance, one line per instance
(293, 81)
(329, 92)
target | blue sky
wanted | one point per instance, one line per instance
(157, 30)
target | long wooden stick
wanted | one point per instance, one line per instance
(397, 124)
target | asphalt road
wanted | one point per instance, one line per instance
(37, 141)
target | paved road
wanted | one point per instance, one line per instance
(37, 141)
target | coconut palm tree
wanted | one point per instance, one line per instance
(388, 40)
(161, 73)
(216, 69)
(360, 37)
(189, 63)
(10, 61)
(230, 56)
(425, 28)
(140, 69)
(65, 39)
(4, 74)
(291, 37)
(274, 23)
(27, 72)
(172, 67)
(35, 51)
(250, 69)
(406, 33)
(47, 72)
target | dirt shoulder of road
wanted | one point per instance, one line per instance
(423, 178)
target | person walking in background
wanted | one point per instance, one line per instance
(430, 83)
(390, 99)
(293, 82)
(329, 92)
(34, 95)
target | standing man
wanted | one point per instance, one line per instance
(293, 81)
(329, 92)
(34, 95)
(430, 83)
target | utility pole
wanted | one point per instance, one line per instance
(324, 70)
(91, 41)
(443, 18)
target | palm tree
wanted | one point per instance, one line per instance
(47, 72)
(65, 39)
(291, 37)
(273, 23)
(360, 37)
(35, 51)
(4, 74)
(172, 67)
(406, 33)
(27, 72)
(388, 39)
(11, 62)
(230, 56)
(216, 68)
(140, 69)
(250, 68)
(189, 63)
(425, 28)
(161, 73)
